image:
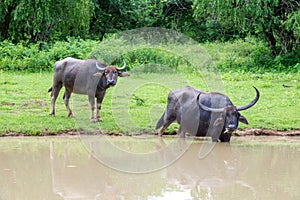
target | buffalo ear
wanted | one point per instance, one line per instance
(219, 121)
(123, 74)
(243, 119)
(98, 74)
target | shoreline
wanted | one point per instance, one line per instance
(238, 133)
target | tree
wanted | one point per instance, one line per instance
(44, 20)
(112, 16)
(276, 21)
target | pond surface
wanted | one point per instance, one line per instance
(89, 168)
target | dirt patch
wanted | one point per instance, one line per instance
(43, 133)
(40, 103)
(264, 132)
(7, 103)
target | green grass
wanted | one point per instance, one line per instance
(24, 102)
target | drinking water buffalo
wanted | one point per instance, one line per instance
(203, 113)
(89, 77)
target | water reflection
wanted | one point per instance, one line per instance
(62, 168)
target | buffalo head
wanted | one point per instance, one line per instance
(229, 115)
(111, 73)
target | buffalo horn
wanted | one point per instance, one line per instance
(99, 67)
(251, 103)
(123, 67)
(207, 108)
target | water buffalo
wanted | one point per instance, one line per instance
(203, 113)
(83, 77)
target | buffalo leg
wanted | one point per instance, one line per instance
(92, 105)
(67, 96)
(98, 112)
(55, 91)
(181, 133)
(165, 125)
(99, 102)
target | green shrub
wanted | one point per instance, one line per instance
(250, 55)
(260, 59)
(241, 56)
(152, 57)
(290, 60)
(41, 56)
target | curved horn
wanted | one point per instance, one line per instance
(123, 67)
(207, 108)
(251, 103)
(99, 67)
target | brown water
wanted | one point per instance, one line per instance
(82, 168)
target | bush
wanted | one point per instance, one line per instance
(290, 60)
(41, 56)
(260, 59)
(250, 55)
(152, 57)
(241, 55)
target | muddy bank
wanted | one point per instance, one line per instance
(239, 133)
(264, 132)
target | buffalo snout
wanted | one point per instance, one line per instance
(111, 82)
(231, 127)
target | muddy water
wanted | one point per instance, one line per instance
(69, 168)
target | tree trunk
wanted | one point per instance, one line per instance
(271, 41)
(4, 26)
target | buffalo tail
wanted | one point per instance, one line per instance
(50, 89)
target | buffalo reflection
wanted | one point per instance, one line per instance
(81, 176)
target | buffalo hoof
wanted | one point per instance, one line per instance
(181, 135)
(96, 120)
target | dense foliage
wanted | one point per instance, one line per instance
(241, 56)
(17, 57)
(276, 21)
(39, 25)
(44, 20)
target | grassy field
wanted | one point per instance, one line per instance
(138, 101)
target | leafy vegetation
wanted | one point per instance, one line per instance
(46, 22)
(275, 21)
(250, 55)
(30, 58)
(241, 55)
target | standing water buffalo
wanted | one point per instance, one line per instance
(83, 77)
(203, 113)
